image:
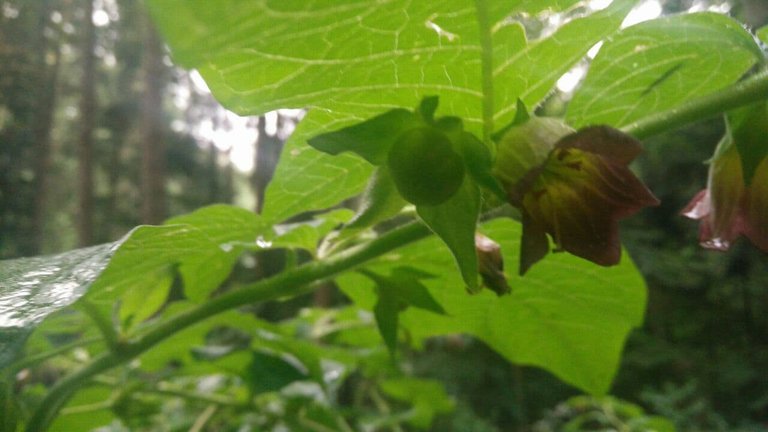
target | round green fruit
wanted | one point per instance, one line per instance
(425, 168)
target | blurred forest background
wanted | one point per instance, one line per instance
(99, 132)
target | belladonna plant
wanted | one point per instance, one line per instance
(576, 188)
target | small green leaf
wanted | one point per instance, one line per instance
(396, 292)
(403, 283)
(370, 139)
(454, 221)
(268, 373)
(657, 65)
(143, 301)
(428, 398)
(427, 108)
(386, 311)
(307, 235)
(749, 130)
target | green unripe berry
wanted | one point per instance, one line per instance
(425, 168)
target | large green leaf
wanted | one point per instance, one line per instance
(307, 179)
(202, 246)
(33, 288)
(350, 60)
(656, 65)
(566, 315)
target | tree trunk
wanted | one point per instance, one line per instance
(87, 125)
(151, 123)
(267, 152)
(755, 13)
(42, 128)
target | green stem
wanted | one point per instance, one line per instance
(37, 358)
(486, 59)
(203, 418)
(102, 323)
(165, 389)
(751, 90)
(285, 284)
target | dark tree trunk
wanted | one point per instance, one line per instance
(268, 149)
(46, 101)
(87, 125)
(153, 162)
(755, 13)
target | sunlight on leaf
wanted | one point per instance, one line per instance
(656, 65)
(33, 288)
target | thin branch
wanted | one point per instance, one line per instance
(203, 418)
(37, 358)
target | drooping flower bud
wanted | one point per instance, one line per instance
(728, 208)
(491, 265)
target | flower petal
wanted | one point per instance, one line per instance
(728, 208)
(533, 245)
(756, 213)
(605, 141)
(579, 197)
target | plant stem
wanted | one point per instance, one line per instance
(37, 358)
(751, 90)
(286, 284)
(486, 59)
(102, 323)
(203, 418)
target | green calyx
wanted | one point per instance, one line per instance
(525, 147)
